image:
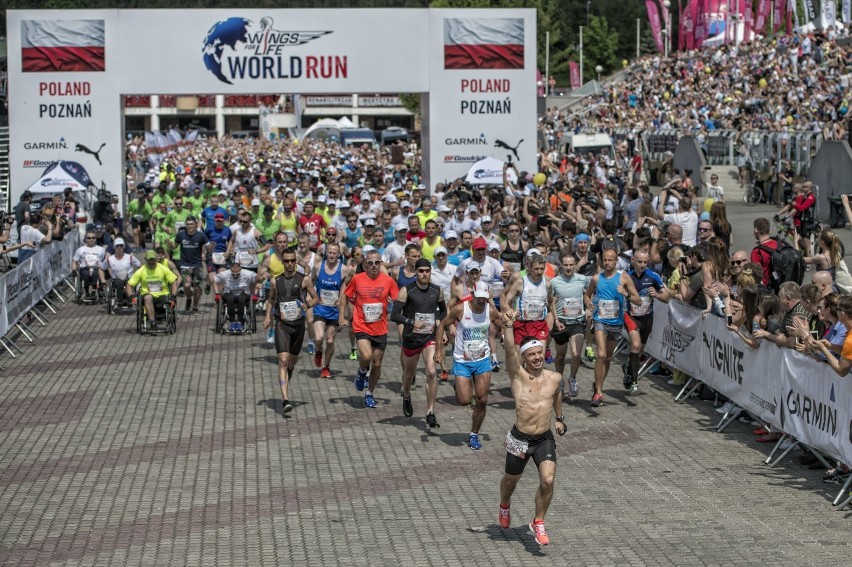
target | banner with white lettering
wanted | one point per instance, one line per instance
(748, 376)
(846, 11)
(815, 405)
(810, 10)
(482, 96)
(673, 336)
(827, 14)
(32, 280)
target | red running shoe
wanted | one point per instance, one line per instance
(444, 375)
(326, 373)
(505, 517)
(541, 537)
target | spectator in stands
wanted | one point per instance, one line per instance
(685, 217)
(790, 301)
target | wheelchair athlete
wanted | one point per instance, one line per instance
(235, 286)
(157, 286)
(118, 267)
(86, 262)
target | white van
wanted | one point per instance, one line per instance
(582, 144)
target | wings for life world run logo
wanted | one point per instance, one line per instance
(237, 49)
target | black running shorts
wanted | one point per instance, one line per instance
(540, 447)
(289, 337)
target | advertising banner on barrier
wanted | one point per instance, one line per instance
(673, 336)
(815, 405)
(750, 377)
(29, 282)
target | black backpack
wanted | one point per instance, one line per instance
(787, 264)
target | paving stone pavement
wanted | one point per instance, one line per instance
(128, 450)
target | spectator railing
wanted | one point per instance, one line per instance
(803, 399)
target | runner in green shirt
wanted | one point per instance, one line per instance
(173, 222)
(268, 225)
(139, 211)
(163, 195)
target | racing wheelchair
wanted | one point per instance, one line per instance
(164, 316)
(80, 295)
(113, 297)
(249, 321)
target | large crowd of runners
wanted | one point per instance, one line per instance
(320, 239)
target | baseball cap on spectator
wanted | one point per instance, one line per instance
(471, 266)
(322, 199)
(582, 237)
(400, 226)
(118, 242)
(369, 222)
(440, 250)
(223, 193)
(368, 248)
(485, 218)
(219, 216)
(365, 196)
(344, 204)
(99, 226)
(443, 209)
(472, 209)
(481, 290)
(150, 255)
(450, 234)
(493, 246)
(421, 187)
(331, 230)
(479, 243)
(405, 204)
(255, 202)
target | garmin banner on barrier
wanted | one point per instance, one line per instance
(790, 391)
(26, 285)
(69, 70)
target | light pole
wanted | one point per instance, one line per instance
(598, 70)
(667, 5)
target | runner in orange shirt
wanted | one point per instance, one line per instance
(369, 292)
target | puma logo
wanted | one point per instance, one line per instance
(505, 146)
(84, 149)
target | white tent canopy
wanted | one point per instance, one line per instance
(60, 175)
(489, 171)
(329, 125)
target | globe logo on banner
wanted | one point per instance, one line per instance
(237, 48)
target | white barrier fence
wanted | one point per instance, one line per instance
(25, 286)
(793, 393)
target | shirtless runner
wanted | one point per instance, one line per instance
(536, 392)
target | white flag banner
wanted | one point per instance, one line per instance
(732, 368)
(673, 336)
(815, 406)
(827, 14)
(793, 7)
(152, 147)
(846, 11)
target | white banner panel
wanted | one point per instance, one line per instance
(482, 100)
(274, 51)
(815, 405)
(64, 76)
(748, 376)
(673, 336)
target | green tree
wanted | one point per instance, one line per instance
(600, 47)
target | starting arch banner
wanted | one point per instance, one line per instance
(69, 68)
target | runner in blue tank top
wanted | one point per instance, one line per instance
(608, 291)
(639, 320)
(329, 278)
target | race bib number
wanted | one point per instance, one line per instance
(313, 239)
(291, 236)
(496, 288)
(120, 274)
(290, 310)
(329, 297)
(516, 446)
(91, 260)
(475, 350)
(572, 307)
(645, 308)
(372, 312)
(179, 225)
(429, 318)
(533, 310)
(218, 258)
(155, 286)
(515, 266)
(246, 259)
(608, 308)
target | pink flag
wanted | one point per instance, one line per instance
(654, 19)
(700, 23)
(763, 9)
(680, 36)
(779, 11)
(574, 72)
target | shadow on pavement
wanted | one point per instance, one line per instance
(278, 406)
(519, 534)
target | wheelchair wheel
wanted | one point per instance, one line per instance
(140, 315)
(220, 316)
(78, 289)
(251, 319)
(110, 297)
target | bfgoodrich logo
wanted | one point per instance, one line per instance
(238, 48)
(462, 159)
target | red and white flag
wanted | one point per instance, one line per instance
(62, 46)
(490, 43)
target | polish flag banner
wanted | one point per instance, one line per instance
(62, 46)
(492, 43)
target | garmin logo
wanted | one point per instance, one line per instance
(480, 141)
(59, 145)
